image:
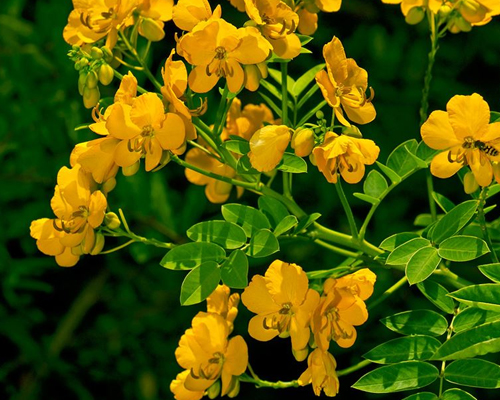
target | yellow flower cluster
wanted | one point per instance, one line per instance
(464, 135)
(206, 353)
(287, 307)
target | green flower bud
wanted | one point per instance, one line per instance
(106, 74)
(462, 24)
(131, 169)
(91, 81)
(151, 29)
(99, 244)
(415, 15)
(470, 183)
(320, 115)
(96, 53)
(234, 389)
(108, 186)
(91, 97)
(214, 390)
(112, 221)
(107, 54)
(82, 78)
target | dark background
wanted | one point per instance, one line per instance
(108, 328)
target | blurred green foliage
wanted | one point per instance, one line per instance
(108, 327)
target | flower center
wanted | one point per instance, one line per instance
(211, 370)
(99, 23)
(219, 65)
(220, 53)
(280, 320)
(76, 223)
(143, 142)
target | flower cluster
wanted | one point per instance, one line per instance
(206, 353)
(464, 135)
(287, 307)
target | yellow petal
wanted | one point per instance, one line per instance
(336, 61)
(123, 156)
(97, 209)
(200, 82)
(329, 5)
(327, 88)
(119, 124)
(67, 258)
(287, 283)
(172, 133)
(147, 110)
(437, 132)
(180, 392)
(236, 78)
(308, 22)
(258, 332)
(153, 155)
(236, 357)
(287, 47)
(252, 47)
(480, 166)
(441, 166)
(127, 90)
(201, 160)
(469, 116)
(267, 146)
(357, 173)
(218, 192)
(361, 115)
(257, 299)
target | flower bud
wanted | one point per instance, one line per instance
(131, 169)
(107, 54)
(99, 244)
(320, 114)
(91, 81)
(151, 29)
(82, 78)
(352, 131)
(300, 355)
(312, 159)
(444, 11)
(415, 15)
(82, 63)
(470, 183)
(214, 390)
(252, 77)
(108, 186)
(96, 53)
(106, 74)
(462, 24)
(111, 220)
(303, 142)
(234, 390)
(91, 97)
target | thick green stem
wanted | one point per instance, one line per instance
(452, 278)
(335, 249)
(284, 93)
(482, 223)
(354, 368)
(389, 292)
(347, 209)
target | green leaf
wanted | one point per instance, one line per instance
(271, 104)
(457, 394)
(304, 39)
(407, 375)
(402, 254)
(368, 199)
(263, 244)
(393, 176)
(425, 153)
(286, 224)
(249, 218)
(407, 348)
(227, 234)
(417, 322)
(423, 220)
(453, 221)
(398, 239)
(303, 82)
(491, 271)
(276, 75)
(375, 184)
(292, 164)
(475, 372)
(305, 222)
(422, 396)
(200, 283)
(493, 190)
(273, 209)
(485, 296)
(271, 88)
(234, 271)
(437, 295)
(307, 96)
(482, 339)
(190, 255)
(494, 116)
(422, 264)
(244, 166)
(445, 204)
(462, 248)
(403, 160)
(239, 146)
(472, 316)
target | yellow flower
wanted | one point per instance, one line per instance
(92, 20)
(359, 283)
(345, 84)
(144, 130)
(207, 353)
(477, 12)
(217, 49)
(308, 22)
(238, 4)
(267, 146)
(216, 191)
(303, 142)
(277, 23)
(345, 155)
(222, 303)
(321, 373)
(245, 122)
(466, 136)
(79, 211)
(408, 5)
(188, 13)
(338, 312)
(308, 13)
(179, 390)
(283, 304)
(153, 14)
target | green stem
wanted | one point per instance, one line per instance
(482, 224)
(452, 278)
(284, 93)
(335, 249)
(205, 133)
(443, 364)
(274, 385)
(353, 368)
(389, 292)
(424, 104)
(220, 116)
(292, 206)
(118, 247)
(236, 182)
(347, 209)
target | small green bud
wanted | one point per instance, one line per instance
(234, 389)
(151, 29)
(91, 81)
(108, 186)
(91, 97)
(415, 15)
(320, 115)
(214, 390)
(462, 24)
(131, 169)
(82, 78)
(107, 54)
(470, 183)
(98, 245)
(106, 74)
(96, 53)
(112, 221)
